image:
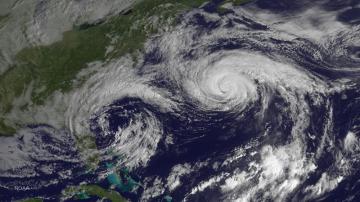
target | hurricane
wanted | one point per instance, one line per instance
(245, 105)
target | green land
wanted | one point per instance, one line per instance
(32, 200)
(85, 191)
(51, 68)
(46, 69)
(3, 19)
(42, 70)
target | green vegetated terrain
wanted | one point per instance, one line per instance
(32, 200)
(3, 19)
(42, 70)
(86, 191)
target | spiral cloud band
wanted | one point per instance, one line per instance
(225, 107)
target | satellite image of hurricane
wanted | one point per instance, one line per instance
(179, 100)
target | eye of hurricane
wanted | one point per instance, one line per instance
(225, 88)
(238, 79)
(223, 85)
(250, 84)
